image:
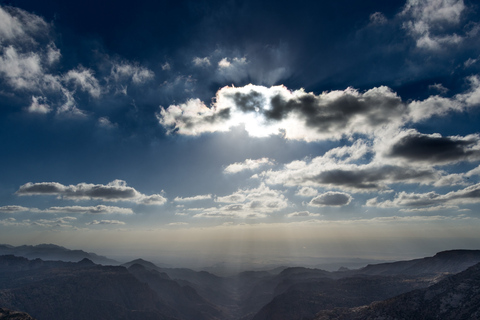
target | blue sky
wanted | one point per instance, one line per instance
(247, 128)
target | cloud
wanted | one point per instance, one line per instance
(195, 198)
(378, 18)
(39, 106)
(105, 222)
(468, 195)
(302, 214)
(18, 25)
(84, 79)
(13, 209)
(296, 115)
(435, 149)
(99, 209)
(306, 192)
(116, 190)
(342, 168)
(247, 203)
(331, 198)
(248, 164)
(430, 22)
(201, 62)
(21, 70)
(178, 224)
(438, 87)
(124, 71)
(193, 118)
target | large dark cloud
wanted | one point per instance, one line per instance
(436, 149)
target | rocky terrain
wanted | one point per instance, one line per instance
(6, 314)
(443, 286)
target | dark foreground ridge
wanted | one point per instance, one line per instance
(6, 314)
(438, 287)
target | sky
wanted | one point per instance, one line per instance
(260, 130)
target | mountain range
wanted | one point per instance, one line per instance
(440, 287)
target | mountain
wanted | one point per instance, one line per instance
(453, 298)
(452, 261)
(53, 252)
(185, 299)
(6, 314)
(142, 290)
(299, 293)
(296, 300)
(77, 291)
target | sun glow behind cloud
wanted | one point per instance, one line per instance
(219, 148)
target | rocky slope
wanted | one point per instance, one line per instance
(456, 297)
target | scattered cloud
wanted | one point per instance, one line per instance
(247, 203)
(85, 80)
(125, 71)
(39, 105)
(438, 87)
(468, 195)
(430, 22)
(195, 198)
(378, 18)
(13, 209)
(302, 214)
(105, 222)
(248, 164)
(334, 199)
(178, 224)
(116, 190)
(99, 209)
(306, 192)
(201, 62)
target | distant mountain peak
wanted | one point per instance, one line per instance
(86, 262)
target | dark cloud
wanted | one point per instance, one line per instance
(372, 177)
(331, 198)
(435, 148)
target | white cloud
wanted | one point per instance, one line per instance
(105, 222)
(438, 87)
(195, 198)
(85, 80)
(39, 105)
(248, 164)
(302, 214)
(201, 62)
(178, 224)
(99, 209)
(21, 70)
(428, 21)
(133, 72)
(306, 192)
(13, 209)
(116, 190)
(106, 123)
(468, 195)
(19, 25)
(247, 203)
